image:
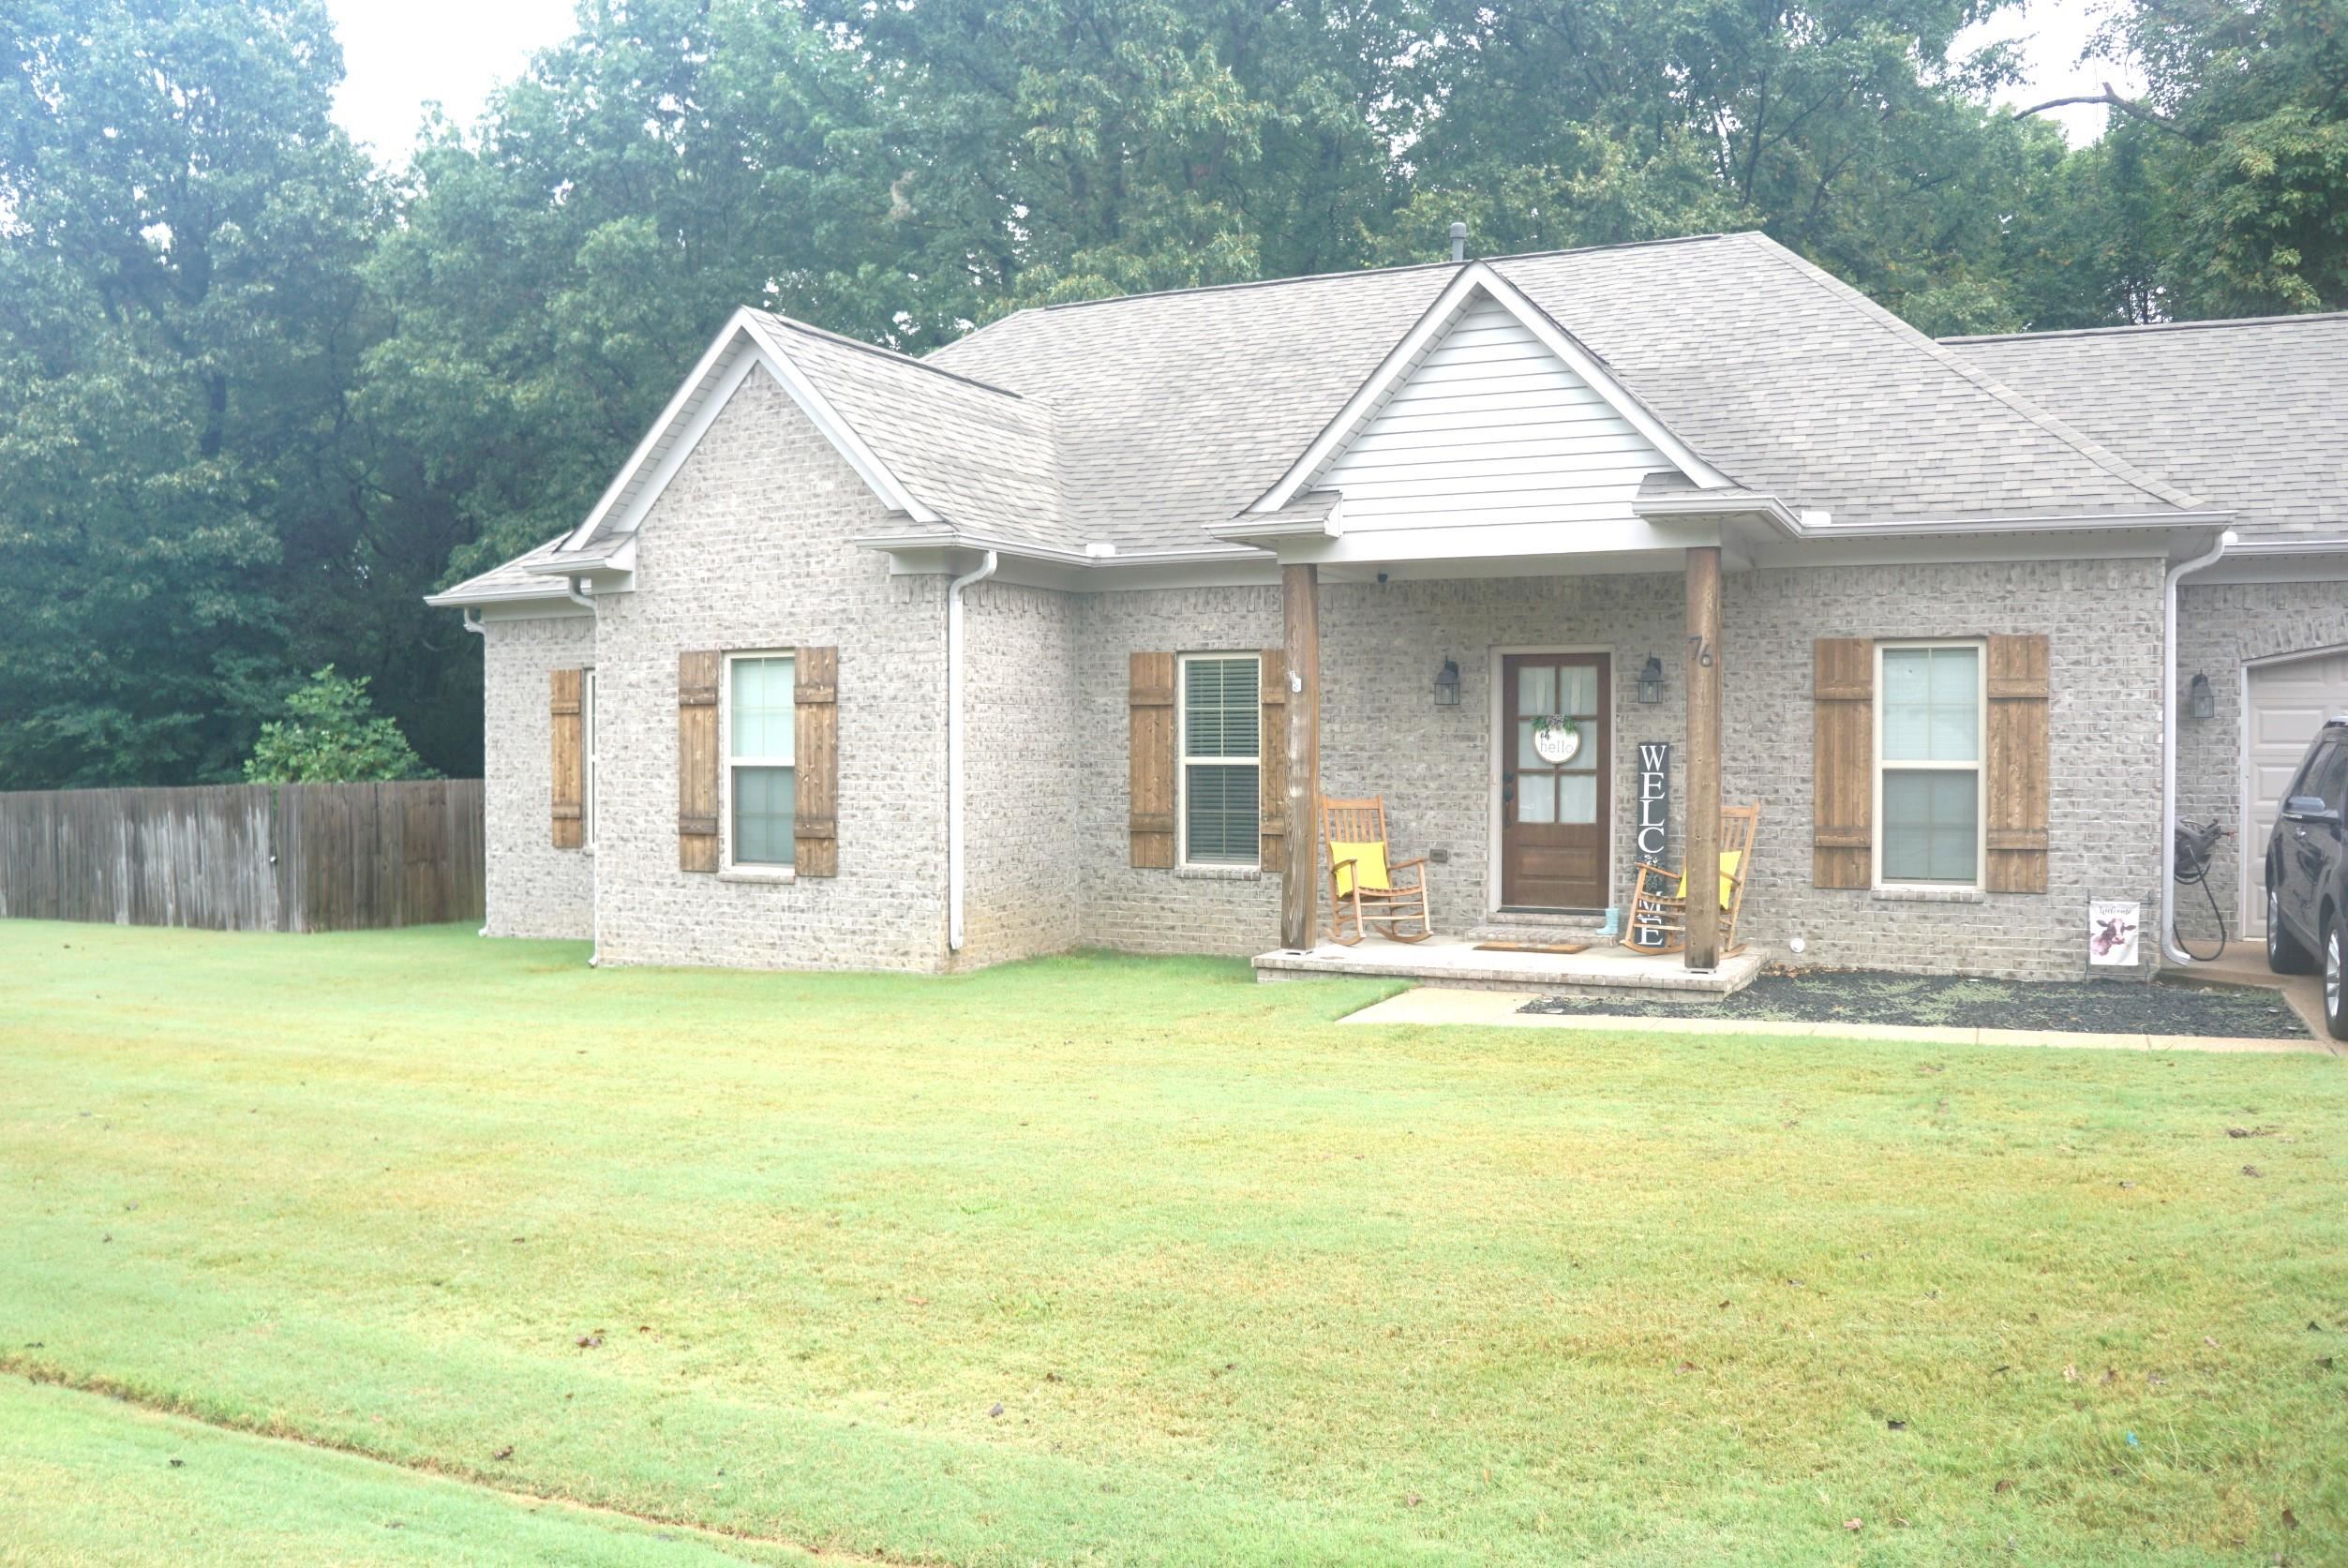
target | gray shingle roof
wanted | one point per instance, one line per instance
(1175, 410)
(2253, 415)
(518, 578)
(979, 456)
(1142, 422)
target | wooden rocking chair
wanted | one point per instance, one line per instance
(1363, 880)
(1659, 922)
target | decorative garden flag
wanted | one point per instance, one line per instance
(2112, 930)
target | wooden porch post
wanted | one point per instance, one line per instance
(1300, 887)
(1704, 756)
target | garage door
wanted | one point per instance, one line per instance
(2288, 704)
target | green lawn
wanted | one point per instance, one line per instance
(1105, 1260)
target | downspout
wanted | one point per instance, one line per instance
(956, 875)
(574, 588)
(2170, 947)
(473, 624)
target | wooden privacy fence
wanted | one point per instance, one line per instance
(339, 857)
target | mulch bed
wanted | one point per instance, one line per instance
(1872, 996)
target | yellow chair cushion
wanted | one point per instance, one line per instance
(1729, 860)
(1370, 861)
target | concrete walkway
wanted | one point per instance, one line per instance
(1441, 1005)
(2245, 964)
(1601, 970)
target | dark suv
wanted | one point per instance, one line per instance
(2307, 874)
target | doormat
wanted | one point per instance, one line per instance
(1532, 947)
(1872, 997)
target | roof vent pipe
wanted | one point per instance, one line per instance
(1459, 242)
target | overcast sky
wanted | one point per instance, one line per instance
(399, 54)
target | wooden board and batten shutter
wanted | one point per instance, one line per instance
(2018, 783)
(1272, 764)
(568, 758)
(815, 746)
(1150, 810)
(697, 675)
(1842, 811)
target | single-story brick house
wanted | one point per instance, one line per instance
(1044, 641)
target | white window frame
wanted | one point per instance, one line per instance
(1183, 761)
(1979, 766)
(587, 763)
(727, 762)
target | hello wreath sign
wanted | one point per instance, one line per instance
(1556, 740)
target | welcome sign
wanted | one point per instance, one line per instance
(1651, 834)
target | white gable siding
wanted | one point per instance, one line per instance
(1490, 427)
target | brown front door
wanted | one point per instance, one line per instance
(1555, 772)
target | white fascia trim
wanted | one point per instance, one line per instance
(2064, 522)
(555, 606)
(742, 344)
(1474, 276)
(2288, 544)
(954, 539)
(495, 596)
(1249, 528)
(1742, 504)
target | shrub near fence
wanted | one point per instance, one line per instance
(338, 856)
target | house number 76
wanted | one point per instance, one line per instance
(1700, 650)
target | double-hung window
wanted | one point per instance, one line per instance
(1930, 724)
(760, 783)
(1220, 715)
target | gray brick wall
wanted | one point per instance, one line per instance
(1023, 770)
(534, 888)
(1158, 911)
(2103, 828)
(749, 549)
(1383, 734)
(2221, 628)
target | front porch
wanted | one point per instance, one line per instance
(1464, 963)
(1574, 842)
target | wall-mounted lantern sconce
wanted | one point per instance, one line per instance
(1447, 684)
(1651, 681)
(2200, 701)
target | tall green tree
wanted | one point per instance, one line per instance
(1844, 128)
(257, 398)
(560, 263)
(2245, 125)
(181, 229)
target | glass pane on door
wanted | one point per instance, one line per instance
(1537, 689)
(1536, 798)
(1578, 798)
(1579, 690)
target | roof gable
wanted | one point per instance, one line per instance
(744, 345)
(1176, 411)
(1483, 358)
(942, 450)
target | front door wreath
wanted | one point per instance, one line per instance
(1556, 739)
